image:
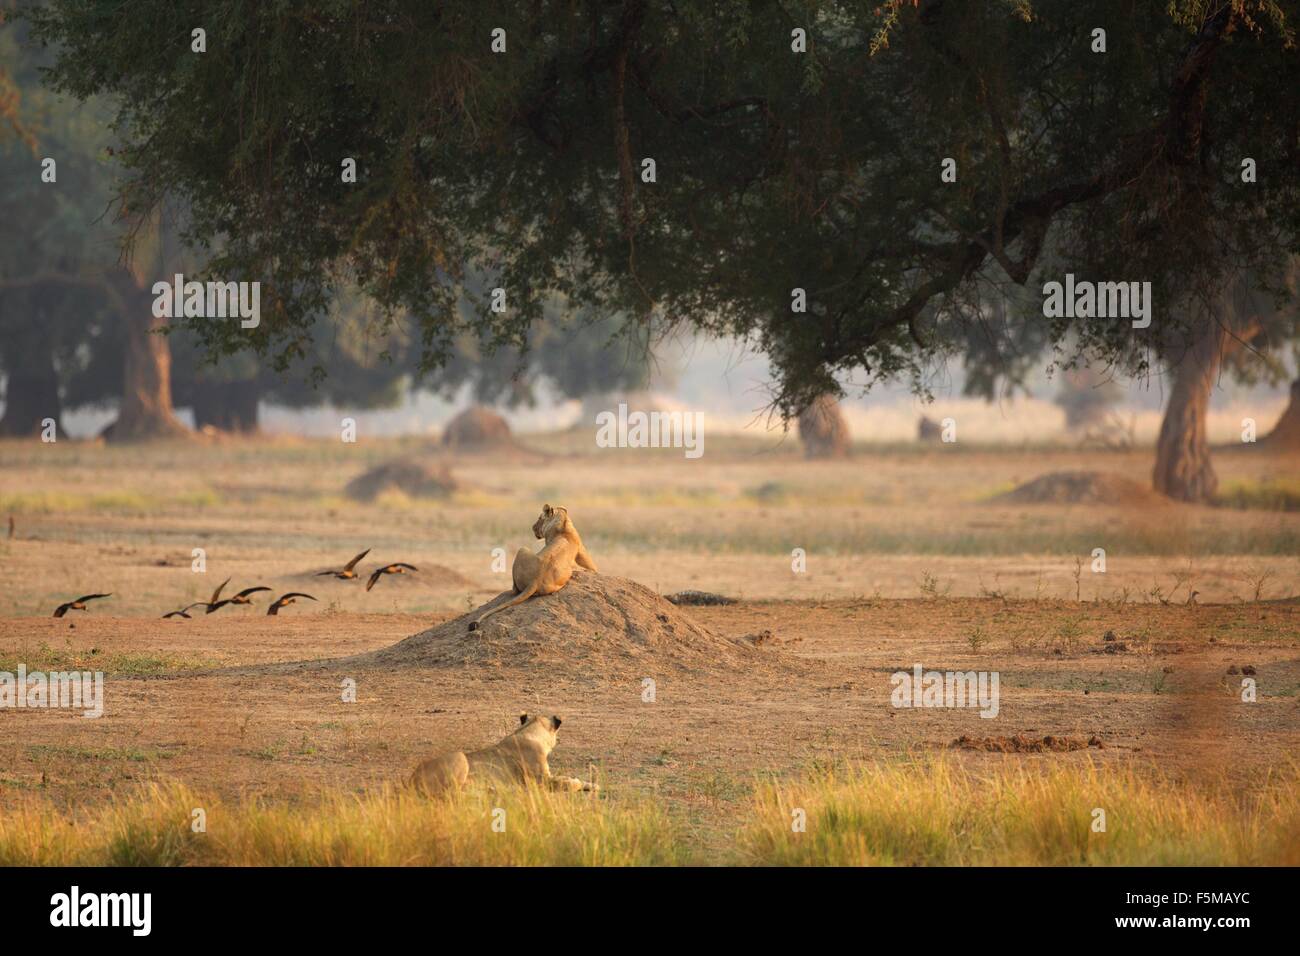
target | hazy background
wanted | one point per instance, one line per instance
(729, 383)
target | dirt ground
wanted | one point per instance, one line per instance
(909, 561)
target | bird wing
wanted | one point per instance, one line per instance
(91, 597)
(247, 591)
(403, 564)
(62, 609)
(373, 578)
(353, 563)
(216, 604)
(294, 594)
(216, 595)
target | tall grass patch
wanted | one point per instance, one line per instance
(931, 811)
(518, 827)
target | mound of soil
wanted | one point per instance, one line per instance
(476, 427)
(1082, 487)
(1021, 744)
(598, 624)
(415, 478)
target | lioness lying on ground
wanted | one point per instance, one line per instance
(550, 569)
(517, 758)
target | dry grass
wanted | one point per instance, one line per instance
(154, 827)
(923, 812)
(928, 811)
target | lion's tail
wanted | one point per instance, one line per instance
(532, 589)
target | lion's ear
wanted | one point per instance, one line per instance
(547, 509)
(523, 719)
(556, 721)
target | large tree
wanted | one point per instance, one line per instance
(775, 166)
(65, 288)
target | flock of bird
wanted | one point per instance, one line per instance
(346, 573)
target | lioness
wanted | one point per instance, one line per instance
(517, 758)
(550, 569)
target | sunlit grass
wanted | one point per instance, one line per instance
(1270, 494)
(520, 827)
(917, 812)
(929, 811)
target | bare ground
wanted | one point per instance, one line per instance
(209, 700)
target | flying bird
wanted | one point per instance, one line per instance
(240, 598)
(184, 612)
(78, 605)
(215, 602)
(284, 600)
(398, 568)
(347, 573)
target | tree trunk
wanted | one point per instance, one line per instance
(1183, 470)
(146, 409)
(31, 393)
(229, 406)
(1286, 433)
(822, 429)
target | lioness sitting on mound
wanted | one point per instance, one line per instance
(517, 758)
(550, 569)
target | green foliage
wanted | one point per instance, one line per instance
(775, 170)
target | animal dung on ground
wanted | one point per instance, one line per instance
(1023, 744)
(697, 599)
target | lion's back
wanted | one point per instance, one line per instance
(441, 773)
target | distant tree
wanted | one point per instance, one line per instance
(1086, 396)
(62, 282)
(350, 362)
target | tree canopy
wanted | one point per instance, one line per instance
(690, 162)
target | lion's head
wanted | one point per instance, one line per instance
(542, 727)
(550, 521)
